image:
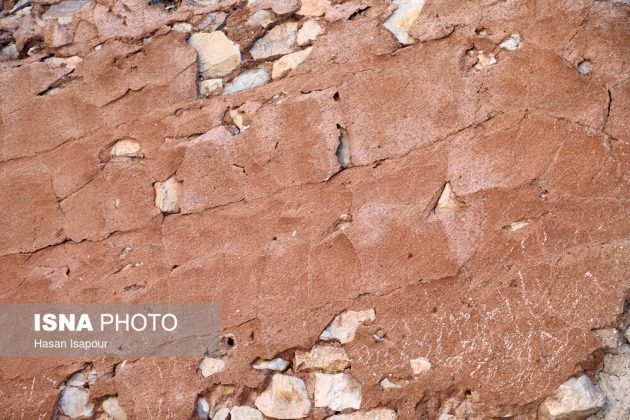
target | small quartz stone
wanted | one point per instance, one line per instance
(320, 357)
(278, 364)
(420, 365)
(247, 80)
(113, 410)
(289, 62)
(183, 27)
(216, 54)
(344, 326)
(337, 391)
(245, 413)
(75, 402)
(126, 148)
(210, 87)
(262, 18)
(447, 200)
(285, 398)
(399, 22)
(511, 43)
(209, 366)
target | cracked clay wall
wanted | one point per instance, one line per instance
(405, 209)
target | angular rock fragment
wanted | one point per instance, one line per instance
(239, 119)
(337, 391)
(614, 381)
(183, 27)
(167, 194)
(213, 22)
(577, 398)
(514, 226)
(284, 398)
(399, 22)
(209, 366)
(289, 62)
(202, 408)
(375, 414)
(75, 402)
(126, 148)
(113, 410)
(420, 365)
(511, 43)
(343, 149)
(262, 18)
(447, 200)
(309, 32)
(484, 60)
(609, 337)
(313, 8)
(217, 55)
(64, 11)
(280, 40)
(247, 80)
(344, 326)
(210, 87)
(222, 414)
(278, 364)
(584, 67)
(245, 413)
(67, 62)
(320, 357)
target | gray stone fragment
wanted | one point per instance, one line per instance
(280, 40)
(247, 80)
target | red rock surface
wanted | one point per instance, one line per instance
(274, 232)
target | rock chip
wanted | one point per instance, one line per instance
(399, 22)
(210, 87)
(113, 410)
(614, 381)
(518, 225)
(284, 398)
(213, 22)
(209, 366)
(278, 364)
(511, 43)
(167, 194)
(245, 413)
(75, 402)
(247, 80)
(183, 27)
(337, 391)
(126, 148)
(262, 18)
(387, 383)
(217, 55)
(344, 326)
(420, 365)
(280, 40)
(289, 62)
(326, 358)
(222, 414)
(484, 60)
(609, 337)
(68, 62)
(447, 200)
(575, 399)
(375, 414)
(202, 408)
(313, 8)
(309, 32)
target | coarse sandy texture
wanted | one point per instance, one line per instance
(474, 196)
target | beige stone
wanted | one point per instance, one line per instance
(278, 364)
(289, 62)
(313, 8)
(420, 365)
(262, 18)
(320, 357)
(337, 391)
(245, 413)
(309, 32)
(210, 87)
(575, 399)
(447, 200)
(375, 414)
(344, 326)
(126, 148)
(284, 398)
(113, 410)
(280, 40)
(209, 366)
(167, 194)
(399, 22)
(217, 55)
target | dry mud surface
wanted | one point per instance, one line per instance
(417, 210)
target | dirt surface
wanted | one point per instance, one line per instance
(472, 191)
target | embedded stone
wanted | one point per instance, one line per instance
(420, 365)
(575, 399)
(280, 40)
(210, 87)
(75, 402)
(514, 226)
(247, 80)
(610, 338)
(289, 62)
(278, 364)
(447, 200)
(183, 27)
(484, 60)
(262, 18)
(167, 194)
(68, 62)
(284, 398)
(222, 414)
(202, 408)
(245, 413)
(320, 357)
(209, 366)
(126, 148)
(344, 326)
(511, 43)
(399, 22)
(309, 32)
(387, 383)
(337, 391)
(375, 414)
(213, 22)
(217, 55)
(113, 410)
